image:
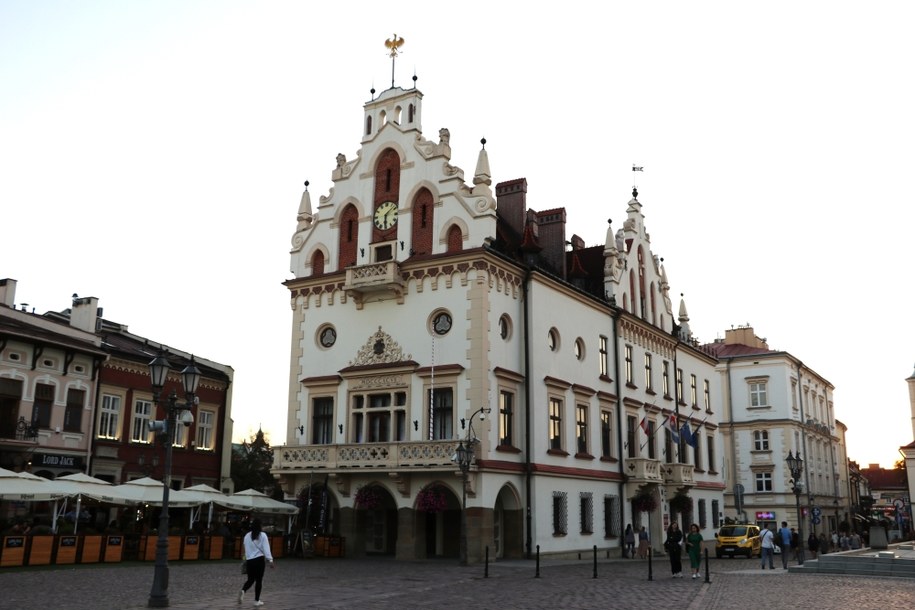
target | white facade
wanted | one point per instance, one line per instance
(774, 405)
(428, 313)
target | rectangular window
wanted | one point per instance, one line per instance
(652, 444)
(631, 436)
(73, 415)
(706, 396)
(379, 417)
(758, 394)
(715, 510)
(322, 421)
(109, 417)
(693, 391)
(560, 515)
(206, 430)
(648, 385)
(585, 509)
(629, 364)
(555, 423)
(581, 427)
(703, 518)
(665, 379)
(604, 360)
(142, 415)
(761, 440)
(506, 418)
(612, 526)
(680, 386)
(442, 414)
(763, 481)
(180, 438)
(605, 438)
(10, 396)
(41, 407)
(710, 446)
(697, 452)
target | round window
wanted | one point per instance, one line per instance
(441, 323)
(327, 336)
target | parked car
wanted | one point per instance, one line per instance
(739, 539)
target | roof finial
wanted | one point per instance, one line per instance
(393, 44)
(483, 142)
(636, 168)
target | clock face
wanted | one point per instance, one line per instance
(442, 323)
(386, 215)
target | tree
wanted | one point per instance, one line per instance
(251, 463)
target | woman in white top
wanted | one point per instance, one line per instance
(257, 554)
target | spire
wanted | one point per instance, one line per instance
(305, 216)
(482, 175)
(685, 333)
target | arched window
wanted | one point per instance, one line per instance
(368, 125)
(632, 293)
(421, 238)
(455, 239)
(387, 188)
(317, 263)
(411, 113)
(643, 311)
(349, 237)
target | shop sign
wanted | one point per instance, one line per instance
(57, 460)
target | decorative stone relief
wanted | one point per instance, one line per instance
(380, 349)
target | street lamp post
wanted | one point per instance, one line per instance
(796, 466)
(158, 371)
(463, 457)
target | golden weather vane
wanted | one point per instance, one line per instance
(394, 45)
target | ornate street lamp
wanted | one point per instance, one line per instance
(796, 466)
(463, 455)
(158, 371)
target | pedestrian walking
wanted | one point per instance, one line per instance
(813, 544)
(784, 539)
(795, 543)
(257, 556)
(694, 548)
(672, 545)
(767, 548)
(643, 543)
(629, 539)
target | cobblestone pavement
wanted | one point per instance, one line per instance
(384, 583)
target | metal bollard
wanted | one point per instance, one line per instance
(486, 568)
(595, 561)
(537, 573)
(706, 566)
(650, 555)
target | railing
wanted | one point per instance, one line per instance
(643, 469)
(366, 455)
(21, 431)
(679, 474)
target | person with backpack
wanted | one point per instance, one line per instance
(784, 540)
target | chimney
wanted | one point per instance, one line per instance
(7, 292)
(744, 335)
(84, 314)
(511, 203)
(552, 225)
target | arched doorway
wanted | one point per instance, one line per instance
(437, 511)
(319, 513)
(376, 520)
(508, 524)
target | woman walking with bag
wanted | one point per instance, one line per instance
(672, 544)
(257, 556)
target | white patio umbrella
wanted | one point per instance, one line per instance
(149, 491)
(210, 496)
(82, 485)
(257, 502)
(25, 487)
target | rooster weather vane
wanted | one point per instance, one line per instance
(394, 45)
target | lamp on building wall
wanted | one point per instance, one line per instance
(190, 376)
(796, 466)
(463, 456)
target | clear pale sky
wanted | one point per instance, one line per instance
(152, 155)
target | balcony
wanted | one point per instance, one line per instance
(643, 470)
(678, 475)
(393, 456)
(374, 282)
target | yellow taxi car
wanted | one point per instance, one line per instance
(738, 539)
